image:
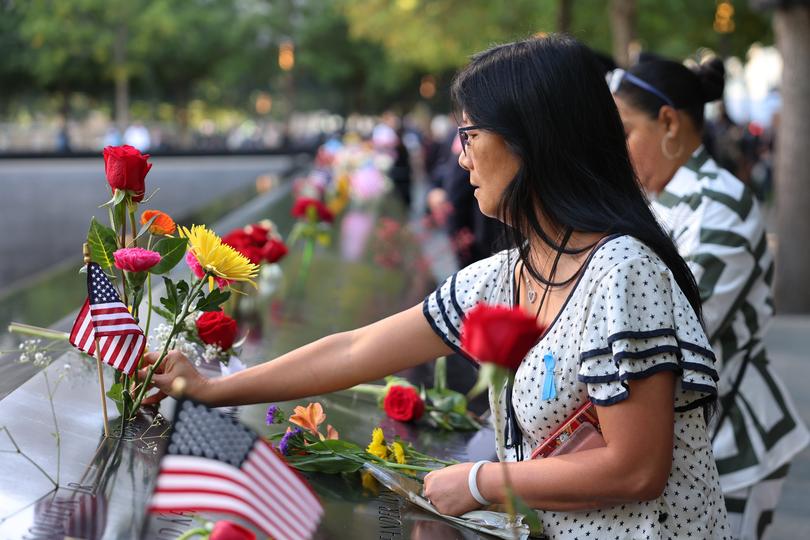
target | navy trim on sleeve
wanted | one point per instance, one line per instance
(697, 349)
(453, 330)
(454, 300)
(438, 331)
(630, 375)
(702, 368)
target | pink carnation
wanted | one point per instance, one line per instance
(196, 267)
(135, 259)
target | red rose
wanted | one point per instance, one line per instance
(216, 328)
(228, 530)
(244, 244)
(258, 234)
(126, 169)
(301, 205)
(274, 250)
(499, 334)
(403, 403)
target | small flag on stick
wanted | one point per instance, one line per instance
(104, 318)
(215, 464)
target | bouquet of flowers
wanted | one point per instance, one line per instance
(123, 258)
(306, 448)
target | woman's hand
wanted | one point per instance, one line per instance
(166, 378)
(448, 491)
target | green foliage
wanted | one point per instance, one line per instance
(212, 302)
(119, 397)
(171, 251)
(102, 242)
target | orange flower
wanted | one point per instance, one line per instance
(310, 418)
(163, 224)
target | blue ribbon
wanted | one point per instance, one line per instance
(549, 388)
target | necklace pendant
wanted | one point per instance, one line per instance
(531, 296)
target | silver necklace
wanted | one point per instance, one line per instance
(531, 294)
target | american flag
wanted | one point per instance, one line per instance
(104, 317)
(215, 464)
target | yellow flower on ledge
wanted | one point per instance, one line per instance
(377, 446)
(219, 259)
(399, 452)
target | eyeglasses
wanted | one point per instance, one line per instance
(617, 76)
(464, 137)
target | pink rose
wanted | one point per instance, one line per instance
(135, 259)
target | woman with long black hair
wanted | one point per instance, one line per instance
(545, 149)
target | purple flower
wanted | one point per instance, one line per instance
(273, 415)
(284, 445)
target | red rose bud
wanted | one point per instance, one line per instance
(403, 403)
(228, 530)
(216, 328)
(499, 334)
(301, 205)
(274, 250)
(126, 169)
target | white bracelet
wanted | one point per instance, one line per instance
(472, 482)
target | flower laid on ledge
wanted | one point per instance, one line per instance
(215, 257)
(446, 409)
(161, 223)
(258, 242)
(312, 210)
(307, 449)
(135, 259)
(403, 403)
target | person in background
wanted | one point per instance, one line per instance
(718, 227)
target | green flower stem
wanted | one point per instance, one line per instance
(369, 389)
(149, 296)
(425, 457)
(195, 289)
(200, 531)
(407, 466)
(440, 374)
(27, 329)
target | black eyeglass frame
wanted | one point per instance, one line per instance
(464, 138)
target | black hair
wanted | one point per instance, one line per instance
(689, 89)
(548, 99)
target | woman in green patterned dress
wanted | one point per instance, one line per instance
(718, 227)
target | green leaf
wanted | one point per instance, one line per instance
(170, 300)
(212, 302)
(118, 196)
(530, 517)
(116, 393)
(144, 228)
(171, 252)
(162, 312)
(135, 279)
(102, 245)
(447, 400)
(182, 292)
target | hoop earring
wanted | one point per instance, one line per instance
(666, 152)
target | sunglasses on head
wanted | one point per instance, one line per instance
(616, 77)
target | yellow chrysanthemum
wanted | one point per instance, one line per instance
(399, 453)
(377, 446)
(217, 258)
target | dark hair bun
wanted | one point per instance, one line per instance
(712, 75)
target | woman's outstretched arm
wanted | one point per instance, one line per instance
(332, 363)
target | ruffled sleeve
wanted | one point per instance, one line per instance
(484, 281)
(640, 323)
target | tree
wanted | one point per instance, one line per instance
(792, 27)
